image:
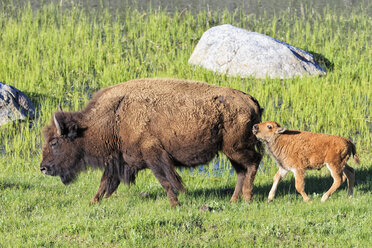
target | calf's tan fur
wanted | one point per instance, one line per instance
(298, 151)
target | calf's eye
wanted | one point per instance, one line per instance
(269, 127)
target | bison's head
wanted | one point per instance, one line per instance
(62, 150)
(268, 130)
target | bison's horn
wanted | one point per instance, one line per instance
(59, 130)
(60, 108)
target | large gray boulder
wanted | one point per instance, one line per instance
(14, 105)
(234, 51)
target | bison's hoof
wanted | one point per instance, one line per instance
(93, 201)
(175, 204)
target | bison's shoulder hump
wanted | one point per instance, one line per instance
(168, 91)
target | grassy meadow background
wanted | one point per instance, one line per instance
(62, 56)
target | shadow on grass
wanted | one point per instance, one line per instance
(39, 99)
(323, 61)
(15, 185)
(313, 184)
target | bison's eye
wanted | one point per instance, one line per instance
(53, 143)
(269, 127)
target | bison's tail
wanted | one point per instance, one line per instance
(261, 110)
(260, 147)
(353, 151)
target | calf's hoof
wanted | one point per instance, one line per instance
(324, 198)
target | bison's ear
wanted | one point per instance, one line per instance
(281, 130)
(65, 127)
(72, 131)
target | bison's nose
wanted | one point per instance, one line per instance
(44, 169)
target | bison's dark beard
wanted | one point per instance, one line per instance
(69, 175)
(67, 178)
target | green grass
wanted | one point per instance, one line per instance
(62, 56)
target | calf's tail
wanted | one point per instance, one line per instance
(353, 151)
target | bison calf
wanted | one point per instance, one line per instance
(158, 124)
(298, 151)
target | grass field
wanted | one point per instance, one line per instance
(62, 56)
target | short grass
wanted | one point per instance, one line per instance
(62, 56)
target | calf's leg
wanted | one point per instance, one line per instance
(337, 180)
(349, 173)
(277, 178)
(300, 184)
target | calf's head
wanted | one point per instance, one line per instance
(62, 150)
(268, 130)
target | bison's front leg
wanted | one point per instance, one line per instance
(172, 196)
(163, 168)
(109, 183)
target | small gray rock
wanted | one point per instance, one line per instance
(205, 208)
(234, 51)
(14, 105)
(144, 194)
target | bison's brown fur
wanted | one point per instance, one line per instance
(298, 151)
(158, 124)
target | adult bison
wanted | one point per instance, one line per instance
(158, 124)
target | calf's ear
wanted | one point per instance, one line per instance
(281, 130)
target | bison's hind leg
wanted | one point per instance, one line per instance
(240, 174)
(349, 173)
(108, 185)
(245, 162)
